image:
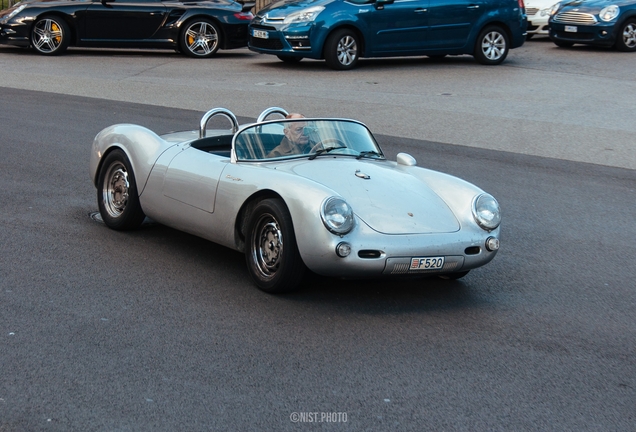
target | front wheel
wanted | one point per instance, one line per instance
(626, 38)
(492, 46)
(200, 38)
(50, 35)
(342, 50)
(272, 256)
(117, 196)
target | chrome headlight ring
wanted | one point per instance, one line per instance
(337, 215)
(486, 211)
(608, 13)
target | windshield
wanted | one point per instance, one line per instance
(310, 138)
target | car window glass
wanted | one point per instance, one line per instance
(304, 137)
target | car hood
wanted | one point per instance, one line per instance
(390, 200)
(281, 9)
(595, 5)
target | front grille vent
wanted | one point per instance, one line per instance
(271, 44)
(531, 11)
(575, 18)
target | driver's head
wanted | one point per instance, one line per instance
(295, 131)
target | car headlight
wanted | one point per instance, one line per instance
(13, 13)
(486, 211)
(337, 215)
(608, 13)
(555, 8)
(545, 12)
(305, 15)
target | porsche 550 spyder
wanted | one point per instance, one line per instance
(336, 205)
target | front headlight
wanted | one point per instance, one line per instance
(305, 15)
(555, 8)
(545, 12)
(337, 215)
(608, 13)
(486, 211)
(13, 13)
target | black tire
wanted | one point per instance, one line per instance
(563, 44)
(117, 195)
(271, 253)
(342, 49)
(454, 276)
(492, 46)
(626, 36)
(200, 38)
(289, 59)
(50, 35)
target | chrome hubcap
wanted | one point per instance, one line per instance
(493, 45)
(347, 50)
(268, 246)
(201, 38)
(629, 35)
(115, 192)
(47, 35)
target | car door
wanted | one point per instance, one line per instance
(451, 21)
(124, 20)
(395, 27)
(192, 178)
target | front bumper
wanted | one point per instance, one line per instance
(10, 35)
(538, 25)
(601, 34)
(377, 255)
(285, 40)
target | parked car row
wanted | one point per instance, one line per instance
(338, 31)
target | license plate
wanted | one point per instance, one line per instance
(428, 263)
(259, 34)
(571, 29)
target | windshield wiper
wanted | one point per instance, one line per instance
(367, 154)
(322, 151)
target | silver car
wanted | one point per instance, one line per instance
(335, 205)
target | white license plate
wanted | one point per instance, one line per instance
(259, 34)
(571, 29)
(427, 263)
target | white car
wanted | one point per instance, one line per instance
(538, 13)
(340, 209)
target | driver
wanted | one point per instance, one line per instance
(296, 140)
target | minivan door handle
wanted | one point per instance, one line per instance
(421, 10)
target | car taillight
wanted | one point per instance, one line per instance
(247, 16)
(522, 5)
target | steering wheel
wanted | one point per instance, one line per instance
(323, 144)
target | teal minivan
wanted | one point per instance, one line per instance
(342, 31)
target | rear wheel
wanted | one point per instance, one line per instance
(342, 49)
(50, 35)
(626, 38)
(117, 195)
(272, 256)
(492, 46)
(200, 38)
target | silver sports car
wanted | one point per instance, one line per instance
(296, 194)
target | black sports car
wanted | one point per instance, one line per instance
(195, 28)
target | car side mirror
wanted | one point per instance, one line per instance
(379, 4)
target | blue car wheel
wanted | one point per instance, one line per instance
(626, 37)
(342, 49)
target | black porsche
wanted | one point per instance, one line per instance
(194, 28)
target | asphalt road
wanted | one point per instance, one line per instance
(158, 330)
